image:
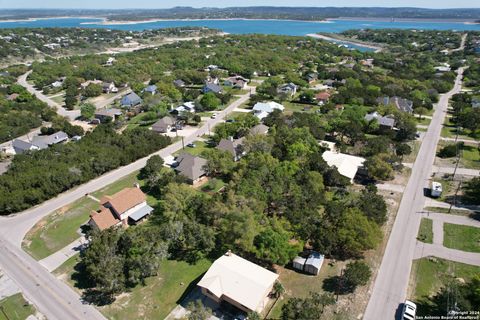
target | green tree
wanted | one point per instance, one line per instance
(87, 110)
(421, 111)
(378, 168)
(356, 274)
(209, 101)
(93, 90)
(198, 311)
(308, 308)
(153, 166)
(472, 190)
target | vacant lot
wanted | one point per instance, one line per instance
(15, 308)
(460, 237)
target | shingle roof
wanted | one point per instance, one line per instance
(44, 142)
(108, 112)
(190, 166)
(162, 124)
(238, 279)
(212, 87)
(131, 99)
(234, 146)
(259, 129)
(125, 199)
(104, 219)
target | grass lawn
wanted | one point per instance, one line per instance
(415, 145)
(213, 185)
(469, 155)
(449, 130)
(429, 275)
(425, 233)
(58, 229)
(300, 285)
(424, 121)
(59, 99)
(200, 146)
(291, 107)
(157, 298)
(16, 308)
(465, 238)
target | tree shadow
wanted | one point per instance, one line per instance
(337, 284)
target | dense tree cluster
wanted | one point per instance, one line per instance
(35, 177)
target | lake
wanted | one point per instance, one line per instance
(281, 27)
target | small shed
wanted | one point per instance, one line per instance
(314, 263)
(298, 263)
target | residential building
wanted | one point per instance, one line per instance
(179, 83)
(131, 100)
(322, 97)
(126, 207)
(39, 142)
(289, 89)
(152, 89)
(164, 125)
(212, 87)
(238, 282)
(401, 104)
(186, 107)
(236, 82)
(259, 129)
(191, 167)
(107, 114)
(347, 165)
(263, 109)
(311, 77)
(109, 87)
(233, 146)
(384, 122)
(110, 61)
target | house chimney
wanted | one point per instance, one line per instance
(229, 253)
(136, 185)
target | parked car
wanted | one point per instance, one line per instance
(214, 116)
(191, 145)
(409, 310)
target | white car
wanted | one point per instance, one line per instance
(409, 310)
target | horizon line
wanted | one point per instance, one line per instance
(267, 6)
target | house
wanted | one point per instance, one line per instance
(110, 61)
(212, 87)
(347, 165)
(322, 97)
(129, 206)
(444, 67)
(151, 89)
(85, 84)
(367, 63)
(233, 146)
(401, 104)
(263, 109)
(164, 125)
(107, 114)
(236, 82)
(289, 89)
(179, 83)
(213, 80)
(312, 264)
(57, 84)
(109, 87)
(311, 77)
(238, 282)
(259, 129)
(39, 142)
(211, 67)
(384, 122)
(131, 100)
(186, 107)
(191, 167)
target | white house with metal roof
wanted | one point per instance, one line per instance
(347, 165)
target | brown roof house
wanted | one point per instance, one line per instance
(128, 206)
(322, 97)
(239, 282)
(164, 125)
(234, 146)
(191, 167)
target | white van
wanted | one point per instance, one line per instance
(409, 310)
(436, 190)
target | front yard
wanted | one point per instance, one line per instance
(15, 308)
(465, 238)
(156, 299)
(425, 233)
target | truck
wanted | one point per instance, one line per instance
(436, 189)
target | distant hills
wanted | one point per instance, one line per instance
(295, 13)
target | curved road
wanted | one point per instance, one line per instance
(51, 296)
(391, 284)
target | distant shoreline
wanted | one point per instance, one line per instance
(357, 43)
(436, 20)
(105, 21)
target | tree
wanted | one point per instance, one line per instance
(378, 168)
(307, 308)
(87, 111)
(278, 289)
(472, 190)
(219, 162)
(421, 111)
(198, 311)
(209, 101)
(403, 149)
(154, 164)
(356, 274)
(373, 205)
(93, 90)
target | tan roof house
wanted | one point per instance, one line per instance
(163, 125)
(238, 282)
(128, 206)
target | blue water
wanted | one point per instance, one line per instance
(281, 27)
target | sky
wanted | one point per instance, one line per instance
(120, 4)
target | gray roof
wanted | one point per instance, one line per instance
(212, 87)
(402, 104)
(131, 99)
(190, 166)
(234, 146)
(141, 212)
(259, 129)
(44, 142)
(110, 112)
(383, 121)
(20, 146)
(179, 83)
(151, 88)
(163, 124)
(315, 259)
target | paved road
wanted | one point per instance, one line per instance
(55, 260)
(435, 250)
(51, 297)
(22, 80)
(452, 218)
(471, 141)
(460, 171)
(391, 284)
(462, 44)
